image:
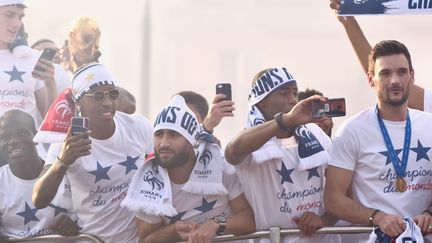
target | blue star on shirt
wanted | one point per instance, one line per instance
(57, 209)
(387, 155)
(28, 214)
(177, 217)
(285, 174)
(101, 172)
(15, 75)
(421, 151)
(313, 172)
(129, 163)
(206, 206)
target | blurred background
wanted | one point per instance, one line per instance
(159, 47)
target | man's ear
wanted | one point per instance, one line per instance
(370, 79)
(412, 79)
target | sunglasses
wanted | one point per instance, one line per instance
(113, 94)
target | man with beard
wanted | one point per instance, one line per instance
(18, 217)
(382, 153)
(180, 194)
(99, 163)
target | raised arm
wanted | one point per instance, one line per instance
(47, 185)
(251, 139)
(362, 48)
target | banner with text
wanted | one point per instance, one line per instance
(395, 7)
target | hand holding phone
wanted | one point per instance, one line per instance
(331, 108)
(79, 124)
(224, 88)
(47, 54)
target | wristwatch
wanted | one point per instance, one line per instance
(221, 221)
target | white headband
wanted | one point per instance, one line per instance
(11, 2)
(268, 82)
(89, 77)
(178, 117)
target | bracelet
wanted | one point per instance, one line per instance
(372, 217)
(278, 119)
(62, 164)
(205, 129)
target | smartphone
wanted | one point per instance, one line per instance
(79, 124)
(332, 108)
(47, 54)
(224, 88)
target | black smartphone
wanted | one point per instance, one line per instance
(224, 88)
(47, 54)
(79, 124)
(332, 108)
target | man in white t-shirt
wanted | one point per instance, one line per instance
(382, 153)
(282, 184)
(18, 217)
(22, 87)
(99, 164)
(204, 195)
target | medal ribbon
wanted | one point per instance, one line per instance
(399, 166)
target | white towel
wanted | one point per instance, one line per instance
(411, 234)
(310, 152)
(150, 191)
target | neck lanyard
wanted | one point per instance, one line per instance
(399, 166)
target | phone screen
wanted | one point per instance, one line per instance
(224, 88)
(332, 108)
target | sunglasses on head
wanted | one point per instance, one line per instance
(113, 94)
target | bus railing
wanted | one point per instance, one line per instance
(49, 238)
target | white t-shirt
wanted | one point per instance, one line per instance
(19, 218)
(428, 100)
(198, 208)
(359, 146)
(278, 192)
(99, 182)
(18, 87)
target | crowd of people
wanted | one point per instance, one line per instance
(126, 179)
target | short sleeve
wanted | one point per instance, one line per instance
(428, 100)
(231, 182)
(344, 149)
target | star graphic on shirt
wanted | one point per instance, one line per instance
(177, 217)
(28, 214)
(313, 172)
(421, 151)
(387, 155)
(129, 163)
(206, 206)
(15, 75)
(89, 77)
(285, 174)
(101, 172)
(57, 209)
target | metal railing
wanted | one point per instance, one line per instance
(275, 233)
(57, 237)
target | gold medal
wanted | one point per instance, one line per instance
(401, 185)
